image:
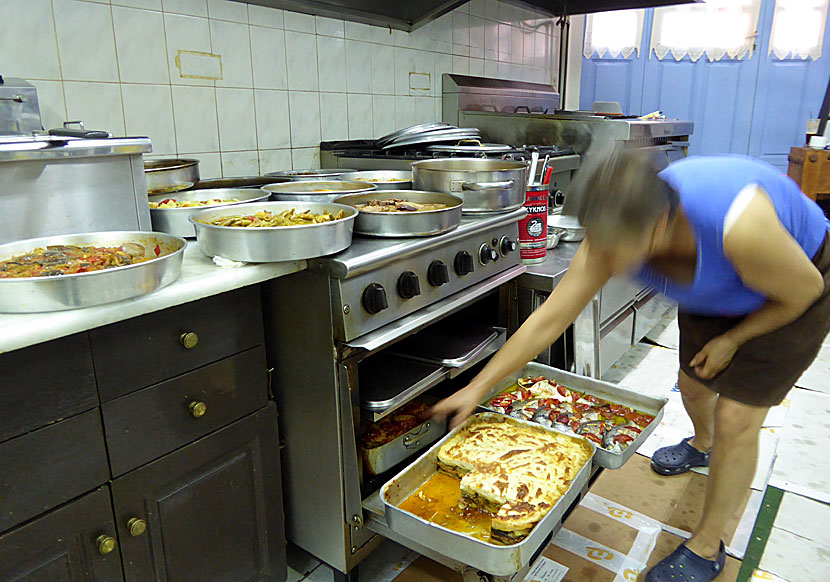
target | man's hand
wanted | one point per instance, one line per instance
(460, 405)
(714, 357)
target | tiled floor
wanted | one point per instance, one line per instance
(796, 458)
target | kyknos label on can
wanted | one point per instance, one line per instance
(533, 228)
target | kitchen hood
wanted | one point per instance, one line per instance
(404, 15)
(409, 15)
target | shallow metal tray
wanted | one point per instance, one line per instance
(322, 191)
(278, 243)
(604, 390)
(175, 220)
(59, 293)
(384, 457)
(490, 558)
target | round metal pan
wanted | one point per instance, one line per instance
(319, 174)
(279, 243)
(382, 179)
(62, 292)
(487, 186)
(406, 224)
(175, 220)
(573, 231)
(172, 175)
(322, 191)
(411, 131)
(453, 135)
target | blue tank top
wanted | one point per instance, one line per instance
(707, 186)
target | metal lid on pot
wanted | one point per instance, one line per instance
(312, 187)
(311, 174)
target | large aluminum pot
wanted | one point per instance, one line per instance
(171, 175)
(175, 220)
(59, 293)
(487, 186)
(321, 191)
(318, 174)
(383, 179)
(406, 224)
(279, 243)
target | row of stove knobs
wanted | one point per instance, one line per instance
(374, 295)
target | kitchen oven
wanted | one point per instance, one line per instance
(362, 333)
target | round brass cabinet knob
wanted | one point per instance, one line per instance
(106, 544)
(189, 339)
(197, 409)
(136, 526)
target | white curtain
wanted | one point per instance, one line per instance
(613, 34)
(798, 29)
(717, 29)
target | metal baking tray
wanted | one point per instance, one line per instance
(175, 220)
(444, 345)
(322, 191)
(384, 457)
(382, 179)
(453, 135)
(59, 293)
(278, 243)
(604, 390)
(490, 558)
(411, 131)
(388, 381)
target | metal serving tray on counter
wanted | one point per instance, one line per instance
(606, 391)
(490, 558)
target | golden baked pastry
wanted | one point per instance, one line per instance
(514, 471)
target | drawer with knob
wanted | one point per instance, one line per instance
(145, 350)
(75, 542)
(45, 382)
(47, 467)
(151, 422)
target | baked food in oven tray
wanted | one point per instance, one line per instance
(539, 399)
(513, 471)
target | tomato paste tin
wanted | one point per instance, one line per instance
(533, 228)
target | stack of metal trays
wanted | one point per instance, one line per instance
(426, 134)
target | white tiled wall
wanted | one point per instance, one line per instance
(256, 89)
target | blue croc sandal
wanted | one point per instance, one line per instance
(683, 565)
(678, 458)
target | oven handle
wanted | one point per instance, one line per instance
(396, 330)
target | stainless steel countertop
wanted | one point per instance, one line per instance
(545, 276)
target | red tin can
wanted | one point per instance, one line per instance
(533, 228)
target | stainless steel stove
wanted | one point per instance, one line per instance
(352, 310)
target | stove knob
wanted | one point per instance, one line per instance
(487, 254)
(507, 246)
(408, 285)
(464, 263)
(374, 298)
(438, 274)
(558, 198)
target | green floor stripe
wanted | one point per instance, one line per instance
(760, 533)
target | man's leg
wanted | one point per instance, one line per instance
(699, 403)
(731, 469)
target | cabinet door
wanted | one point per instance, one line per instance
(213, 509)
(63, 546)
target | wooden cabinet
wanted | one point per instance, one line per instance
(163, 443)
(213, 509)
(811, 171)
(63, 545)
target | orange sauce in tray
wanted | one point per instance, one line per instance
(439, 501)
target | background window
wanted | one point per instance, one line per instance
(613, 34)
(718, 29)
(798, 28)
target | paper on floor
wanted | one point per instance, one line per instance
(546, 570)
(646, 369)
(804, 517)
(803, 454)
(763, 576)
(740, 539)
(794, 557)
(666, 333)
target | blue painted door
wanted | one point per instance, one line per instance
(757, 106)
(789, 93)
